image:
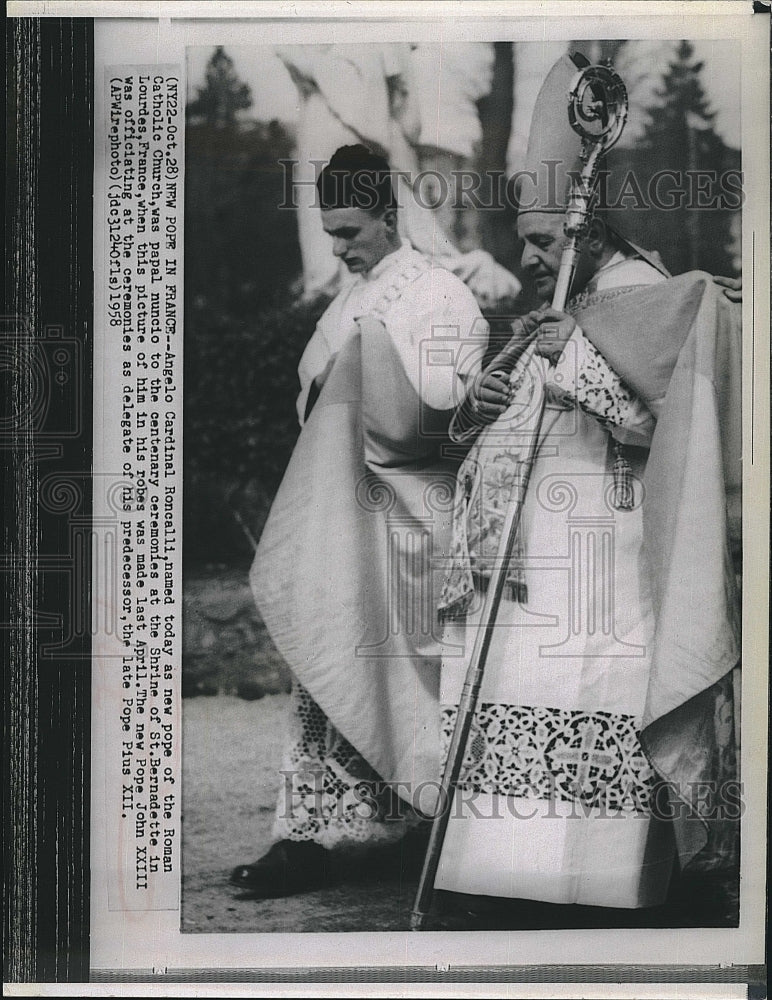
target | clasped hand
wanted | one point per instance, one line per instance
(489, 395)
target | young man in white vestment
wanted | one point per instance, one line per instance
(343, 574)
(607, 692)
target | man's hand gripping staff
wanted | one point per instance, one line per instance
(546, 331)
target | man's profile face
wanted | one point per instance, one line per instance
(360, 238)
(543, 242)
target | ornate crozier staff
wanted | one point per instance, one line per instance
(597, 111)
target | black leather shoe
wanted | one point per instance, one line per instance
(287, 869)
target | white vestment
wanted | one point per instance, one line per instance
(352, 732)
(420, 305)
(553, 798)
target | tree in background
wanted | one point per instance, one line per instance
(223, 95)
(680, 135)
(244, 334)
(497, 227)
(240, 244)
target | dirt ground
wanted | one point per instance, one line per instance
(231, 758)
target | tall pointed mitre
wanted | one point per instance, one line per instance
(554, 148)
(554, 154)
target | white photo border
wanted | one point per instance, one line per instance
(142, 950)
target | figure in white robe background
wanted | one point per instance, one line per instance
(387, 96)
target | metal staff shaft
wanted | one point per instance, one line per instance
(596, 140)
(566, 273)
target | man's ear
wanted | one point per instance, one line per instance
(390, 218)
(597, 237)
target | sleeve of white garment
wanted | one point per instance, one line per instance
(584, 375)
(315, 359)
(351, 80)
(440, 336)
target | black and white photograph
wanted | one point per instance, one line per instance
(420, 438)
(388, 431)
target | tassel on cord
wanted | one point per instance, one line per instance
(623, 479)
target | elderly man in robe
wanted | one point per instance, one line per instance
(607, 696)
(343, 575)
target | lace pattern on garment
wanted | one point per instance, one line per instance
(549, 753)
(329, 792)
(600, 392)
(404, 276)
(588, 298)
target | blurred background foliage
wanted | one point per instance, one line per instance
(246, 325)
